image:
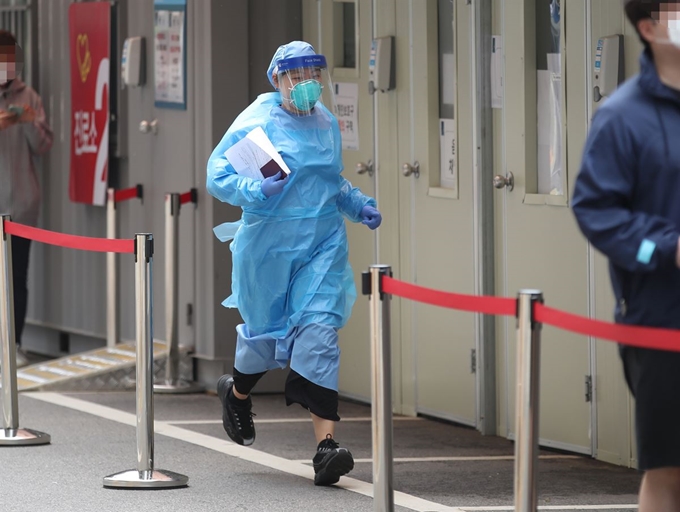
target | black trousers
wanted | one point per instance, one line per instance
(21, 248)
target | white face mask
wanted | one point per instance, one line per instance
(674, 32)
(6, 74)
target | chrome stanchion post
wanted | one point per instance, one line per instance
(172, 206)
(111, 273)
(173, 383)
(10, 433)
(527, 401)
(381, 388)
(145, 476)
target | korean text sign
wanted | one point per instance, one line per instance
(90, 41)
(170, 56)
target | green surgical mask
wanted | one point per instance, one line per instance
(305, 94)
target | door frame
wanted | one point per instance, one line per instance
(481, 14)
(592, 312)
(570, 174)
(478, 55)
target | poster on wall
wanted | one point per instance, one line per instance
(347, 113)
(448, 155)
(448, 109)
(90, 42)
(170, 54)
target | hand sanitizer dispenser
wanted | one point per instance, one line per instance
(609, 66)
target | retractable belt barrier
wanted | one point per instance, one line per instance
(189, 197)
(82, 243)
(144, 476)
(113, 197)
(637, 336)
(531, 314)
(128, 193)
(172, 383)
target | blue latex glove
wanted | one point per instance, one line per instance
(371, 217)
(273, 185)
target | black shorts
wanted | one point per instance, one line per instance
(653, 377)
(316, 399)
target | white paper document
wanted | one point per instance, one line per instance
(255, 156)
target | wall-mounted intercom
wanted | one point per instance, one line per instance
(609, 69)
(381, 65)
(132, 65)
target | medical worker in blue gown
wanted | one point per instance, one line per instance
(291, 279)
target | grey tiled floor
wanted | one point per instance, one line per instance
(67, 475)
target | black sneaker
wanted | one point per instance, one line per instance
(331, 462)
(236, 419)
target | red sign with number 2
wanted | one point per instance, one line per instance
(90, 42)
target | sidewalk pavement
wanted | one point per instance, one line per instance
(438, 466)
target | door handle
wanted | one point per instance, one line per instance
(363, 168)
(408, 169)
(146, 126)
(502, 182)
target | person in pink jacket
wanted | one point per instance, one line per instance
(24, 135)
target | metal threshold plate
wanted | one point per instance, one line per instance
(155, 479)
(22, 436)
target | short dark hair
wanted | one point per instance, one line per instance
(7, 38)
(638, 10)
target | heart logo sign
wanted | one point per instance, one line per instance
(83, 56)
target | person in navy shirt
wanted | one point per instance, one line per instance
(627, 204)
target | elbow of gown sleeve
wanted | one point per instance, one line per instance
(231, 188)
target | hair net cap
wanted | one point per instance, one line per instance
(287, 51)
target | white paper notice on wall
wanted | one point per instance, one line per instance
(347, 112)
(497, 78)
(448, 155)
(169, 59)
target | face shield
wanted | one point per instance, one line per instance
(304, 82)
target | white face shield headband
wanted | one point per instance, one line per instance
(304, 81)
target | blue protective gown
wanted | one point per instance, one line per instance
(291, 278)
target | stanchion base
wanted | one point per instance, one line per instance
(22, 436)
(178, 386)
(154, 479)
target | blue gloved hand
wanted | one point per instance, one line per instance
(371, 217)
(273, 185)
